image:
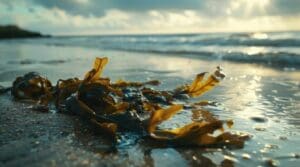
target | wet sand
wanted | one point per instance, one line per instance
(262, 101)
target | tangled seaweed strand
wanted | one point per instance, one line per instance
(132, 106)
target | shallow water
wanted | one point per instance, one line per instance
(261, 100)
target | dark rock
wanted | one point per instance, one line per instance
(12, 31)
(259, 119)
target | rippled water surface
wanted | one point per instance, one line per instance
(273, 48)
(262, 100)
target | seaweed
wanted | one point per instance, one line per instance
(123, 106)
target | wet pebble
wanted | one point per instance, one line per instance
(226, 157)
(271, 163)
(271, 146)
(296, 155)
(227, 163)
(282, 138)
(260, 128)
(259, 119)
(246, 156)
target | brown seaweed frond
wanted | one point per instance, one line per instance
(195, 133)
(203, 83)
(96, 72)
(161, 115)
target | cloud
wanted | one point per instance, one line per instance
(98, 7)
(285, 7)
(145, 16)
(209, 8)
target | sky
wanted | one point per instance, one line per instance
(87, 17)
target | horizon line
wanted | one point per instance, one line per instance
(172, 33)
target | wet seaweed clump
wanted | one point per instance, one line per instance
(121, 106)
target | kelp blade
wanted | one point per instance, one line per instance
(195, 133)
(201, 85)
(161, 115)
(96, 72)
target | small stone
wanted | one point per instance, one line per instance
(260, 128)
(259, 119)
(264, 150)
(246, 156)
(282, 138)
(271, 146)
(271, 163)
(296, 155)
(226, 157)
(227, 163)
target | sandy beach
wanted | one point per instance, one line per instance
(262, 101)
(157, 83)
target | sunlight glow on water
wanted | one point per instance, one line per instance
(260, 36)
(254, 50)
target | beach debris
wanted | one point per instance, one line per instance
(122, 106)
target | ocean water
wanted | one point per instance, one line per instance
(260, 93)
(274, 48)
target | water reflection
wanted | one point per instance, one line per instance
(254, 50)
(246, 100)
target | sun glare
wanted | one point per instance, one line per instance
(261, 3)
(259, 36)
(250, 5)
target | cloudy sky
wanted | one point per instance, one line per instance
(151, 16)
